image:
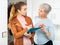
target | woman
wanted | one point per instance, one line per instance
(19, 23)
(45, 35)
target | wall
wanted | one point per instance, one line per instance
(14, 1)
(53, 15)
(3, 22)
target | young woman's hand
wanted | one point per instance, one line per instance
(28, 35)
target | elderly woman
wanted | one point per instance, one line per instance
(45, 35)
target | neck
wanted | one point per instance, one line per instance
(43, 17)
(20, 15)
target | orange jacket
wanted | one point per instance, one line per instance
(18, 31)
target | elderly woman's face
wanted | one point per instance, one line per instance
(42, 12)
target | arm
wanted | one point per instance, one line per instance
(33, 33)
(29, 21)
(48, 34)
(15, 33)
(43, 27)
(51, 32)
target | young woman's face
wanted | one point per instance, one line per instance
(42, 13)
(23, 10)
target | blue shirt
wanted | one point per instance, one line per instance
(40, 37)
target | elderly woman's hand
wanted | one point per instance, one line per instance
(43, 27)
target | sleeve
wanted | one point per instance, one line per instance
(15, 33)
(32, 27)
(51, 31)
(33, 33)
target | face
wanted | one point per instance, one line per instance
(23, 10)
(42, 13)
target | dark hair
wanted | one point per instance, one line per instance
(18, 5)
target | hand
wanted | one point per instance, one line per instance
(28, 35)
(42, 26)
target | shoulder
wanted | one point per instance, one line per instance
(14, 20)
(50, 22)
(28, 20)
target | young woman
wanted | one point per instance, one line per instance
(45, 35)
(19, 23)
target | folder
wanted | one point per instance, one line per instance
(32, 30)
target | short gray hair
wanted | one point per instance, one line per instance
(47, 7)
